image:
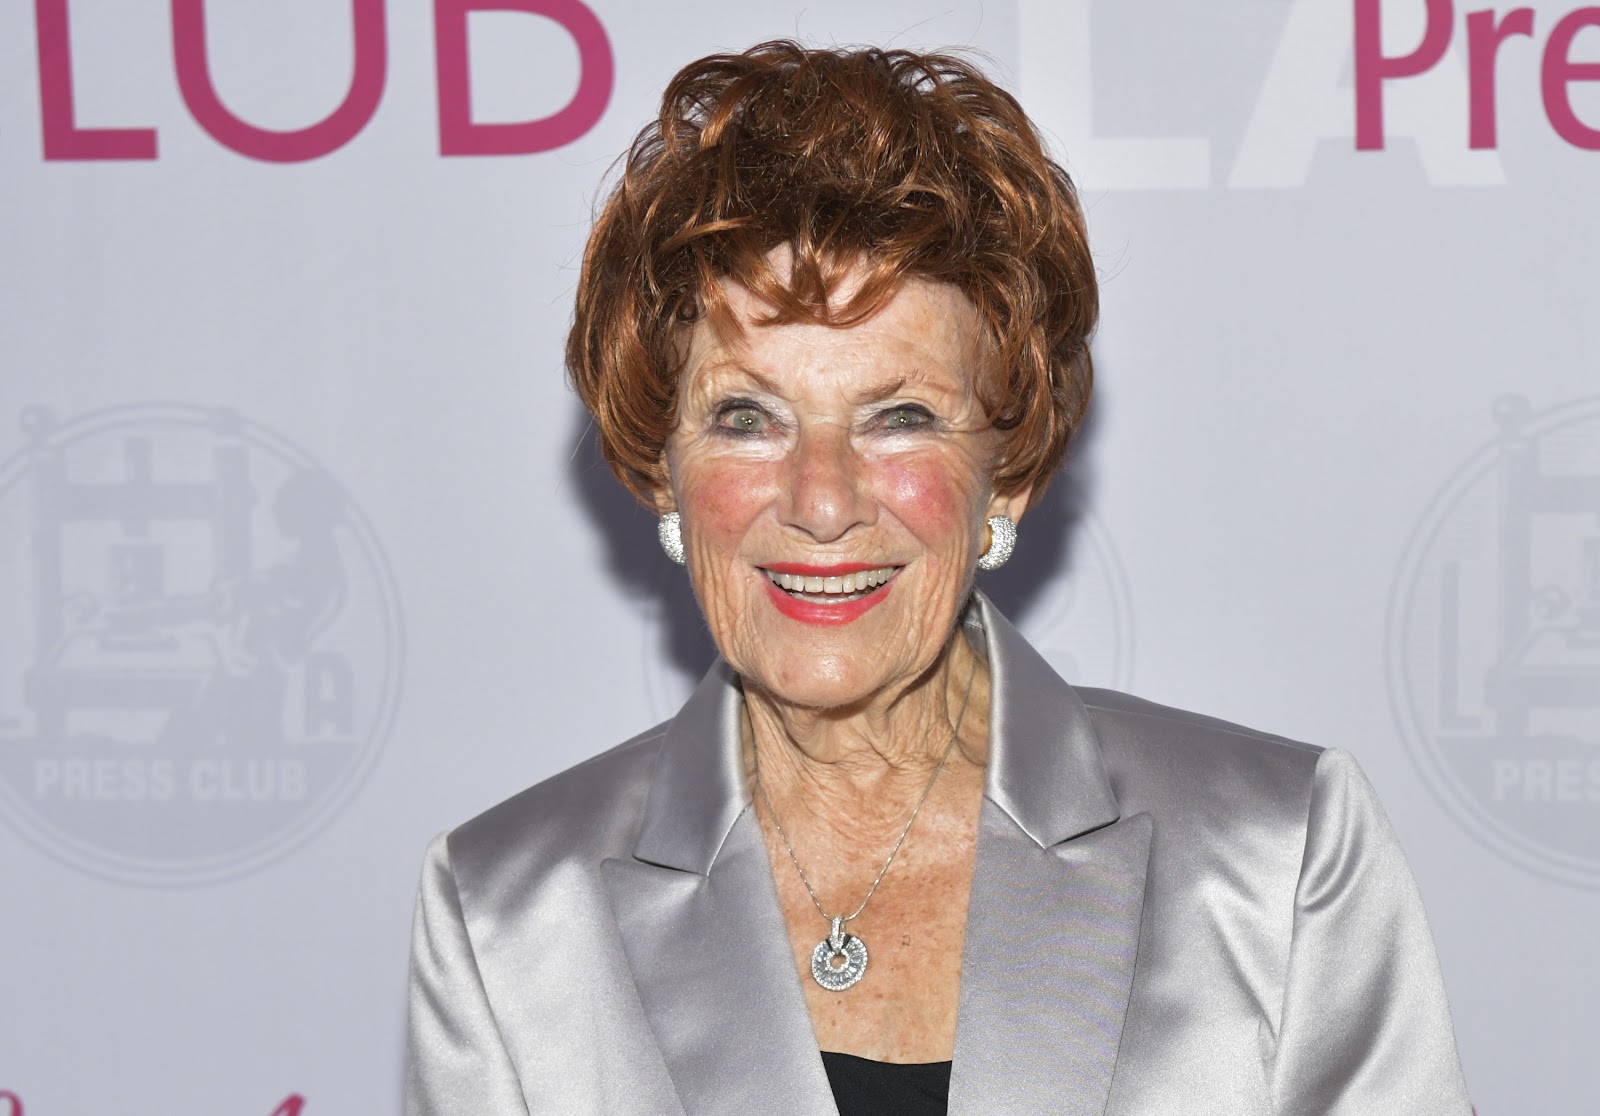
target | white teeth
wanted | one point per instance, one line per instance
(858, 582)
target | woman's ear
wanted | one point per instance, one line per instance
(1014, 504)
(661, 494)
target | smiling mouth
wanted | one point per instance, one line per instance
(832, 590)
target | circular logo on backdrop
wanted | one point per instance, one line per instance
(1081, 621)
(1494, 640)
(202, 648)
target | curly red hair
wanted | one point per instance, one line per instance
(911, 164)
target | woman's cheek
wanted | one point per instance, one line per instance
(719, 503)
(722, 500)
(935, 502)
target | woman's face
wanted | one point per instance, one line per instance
(834, 485)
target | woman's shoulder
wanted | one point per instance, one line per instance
(1121, 715)
(584, 814)
(1175, 761)
(1256, 805)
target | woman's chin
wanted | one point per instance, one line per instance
(829, 666)
(839, 683)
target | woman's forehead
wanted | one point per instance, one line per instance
(926, 330)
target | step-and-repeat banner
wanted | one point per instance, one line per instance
(306, 552)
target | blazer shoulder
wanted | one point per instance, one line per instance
(1113, 710)
(1174, 761)
(585, 813)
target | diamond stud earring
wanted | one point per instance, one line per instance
(1002, 541)
(669, 530)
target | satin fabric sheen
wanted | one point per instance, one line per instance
(1169, 915)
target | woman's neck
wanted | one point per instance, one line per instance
(863, 769)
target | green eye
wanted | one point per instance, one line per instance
(905, 418)
(743, 420)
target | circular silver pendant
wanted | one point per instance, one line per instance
(851, 955)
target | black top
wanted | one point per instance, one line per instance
(862, 1087)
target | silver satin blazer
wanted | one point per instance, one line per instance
(1169, 915)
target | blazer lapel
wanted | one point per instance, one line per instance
(1057, 893)
(700, 924)
(1052, 925)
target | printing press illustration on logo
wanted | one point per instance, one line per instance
(203, 647)
(1494, 640)
(1079, 617)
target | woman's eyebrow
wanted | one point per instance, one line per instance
(727, 367)
(876, 393)
(882, 391)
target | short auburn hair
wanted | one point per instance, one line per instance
(909, 164)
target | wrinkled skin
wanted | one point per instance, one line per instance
(814, 444)
(811, 444)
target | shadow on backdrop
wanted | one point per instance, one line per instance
(633, 557)
(1048, 535)
(1045, 548)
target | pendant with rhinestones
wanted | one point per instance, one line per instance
(848, 950)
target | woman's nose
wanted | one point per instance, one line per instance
(826, 492)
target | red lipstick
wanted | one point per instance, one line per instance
(810, 612)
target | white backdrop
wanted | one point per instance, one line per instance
(306, 554)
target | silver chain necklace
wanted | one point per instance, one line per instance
(840, 959)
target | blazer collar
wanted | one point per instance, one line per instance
(698, 790)
(1045, 767)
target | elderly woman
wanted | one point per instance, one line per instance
(833, 326)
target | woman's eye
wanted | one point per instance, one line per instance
(742, 420)
(905, 418)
